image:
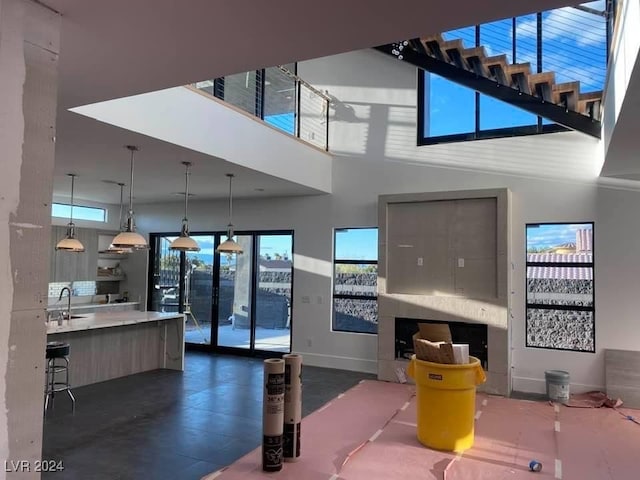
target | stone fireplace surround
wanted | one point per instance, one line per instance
(491, 310)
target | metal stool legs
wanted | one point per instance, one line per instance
(54, 385)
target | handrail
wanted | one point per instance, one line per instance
(275, 95)
(306, 84)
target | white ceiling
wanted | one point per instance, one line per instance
(124, 47)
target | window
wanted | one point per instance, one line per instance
(570, 42)
(93, 214)
(355, 280)
(560, 301)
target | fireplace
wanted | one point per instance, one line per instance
(473, 334)
(444, 257)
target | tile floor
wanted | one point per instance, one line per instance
(171, 425)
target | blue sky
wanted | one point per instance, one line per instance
(357, 244)
(269, 244)
(551, 235)
(573, 46)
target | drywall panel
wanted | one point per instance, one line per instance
(442, 247)
(622, 373)
(419, 248)
(28, 87)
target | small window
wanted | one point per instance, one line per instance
(92, 214)
(560, 308)
(355, 280)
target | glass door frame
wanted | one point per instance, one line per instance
(213, 346)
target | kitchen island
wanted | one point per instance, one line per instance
(116, 344)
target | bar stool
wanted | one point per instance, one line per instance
(57, 364)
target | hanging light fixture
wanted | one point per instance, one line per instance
(120, 250)
(229, 246)
(128, 237)
(184, 242)
(70, 243)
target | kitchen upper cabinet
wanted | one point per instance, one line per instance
(69, 266)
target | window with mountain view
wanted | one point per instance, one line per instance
(355, 280)
(560, 311)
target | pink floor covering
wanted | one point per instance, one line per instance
(369, 433)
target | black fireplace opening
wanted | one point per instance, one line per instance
(473, 334)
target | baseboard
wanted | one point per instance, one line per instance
(341, 363)
(536, 385)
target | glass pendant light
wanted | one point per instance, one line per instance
(119, 250)
(184, 242)
(129, 238)
(229, 246)
(70, 243)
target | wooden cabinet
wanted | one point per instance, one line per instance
(69, 266)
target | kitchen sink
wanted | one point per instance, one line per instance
(54, 316)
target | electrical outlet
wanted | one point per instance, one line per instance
(420, 261)
(309, 342)
(306, 299)
(461, 263)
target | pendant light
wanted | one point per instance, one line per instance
(184, 242)
(229, 246)
(129, 238)
(119, 250)
(70, 243)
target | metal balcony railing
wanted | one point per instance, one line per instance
(280, 98)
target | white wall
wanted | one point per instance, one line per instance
(205, 124)
(373, 135)
(626, 42)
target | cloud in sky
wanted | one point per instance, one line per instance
(549, 235)
(568, 24)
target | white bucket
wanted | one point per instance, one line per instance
(557, 385)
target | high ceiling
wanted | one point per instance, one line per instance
(124, 47)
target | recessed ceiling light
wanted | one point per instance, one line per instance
(259, 189)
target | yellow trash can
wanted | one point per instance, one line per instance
(445, 397)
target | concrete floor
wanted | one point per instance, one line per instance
(267, 339)
(171, 425)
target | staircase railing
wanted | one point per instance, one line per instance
(280, 98)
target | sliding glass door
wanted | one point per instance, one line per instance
(235, 297)
(273, 293)
(198, 290)
(164, 282)
(239, 302)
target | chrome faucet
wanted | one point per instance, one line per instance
(68, 312)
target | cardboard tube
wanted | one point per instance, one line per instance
(272, 414)
(292, 406)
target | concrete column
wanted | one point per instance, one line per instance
(242, 283)
(29, 46)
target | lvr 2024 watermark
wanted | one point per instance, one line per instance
(23, 466)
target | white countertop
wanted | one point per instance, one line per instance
(90, 321)
(77, 306)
